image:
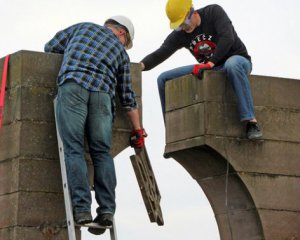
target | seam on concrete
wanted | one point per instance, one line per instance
(29, 157)
(237, 210)
(278, 210)
(268, 107)
(271, 175)
(249, 173)
(25, 191)
(232, 138)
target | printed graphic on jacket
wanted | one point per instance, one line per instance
(202, 47)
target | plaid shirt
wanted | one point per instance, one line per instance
(95, 58)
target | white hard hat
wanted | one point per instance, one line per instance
(126, 22)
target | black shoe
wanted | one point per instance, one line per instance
(253, 130)
(83, 217)
(105, 220)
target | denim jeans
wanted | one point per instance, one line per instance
(236, 68)
(80, 111)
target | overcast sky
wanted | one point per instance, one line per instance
(270, 31)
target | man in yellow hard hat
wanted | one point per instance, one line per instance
(210, 37)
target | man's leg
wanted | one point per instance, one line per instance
(99, 134)
(168, 75)
(237, 69)
(71, 117)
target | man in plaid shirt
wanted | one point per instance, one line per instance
(95, 65)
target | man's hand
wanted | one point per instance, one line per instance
(199, 69)
(136, 138)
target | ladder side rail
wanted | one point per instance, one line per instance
(67, 198)
(113, 231)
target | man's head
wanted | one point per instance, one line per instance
(123, 28)
(182, 15)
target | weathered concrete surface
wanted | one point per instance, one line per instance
(31, 199)
(253, 186)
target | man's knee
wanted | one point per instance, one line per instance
(237, 63)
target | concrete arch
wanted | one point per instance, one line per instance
(233, 206)
(203, 134)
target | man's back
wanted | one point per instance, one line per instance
(92, 55)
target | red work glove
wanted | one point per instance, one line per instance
(136, 138)
(199, 69)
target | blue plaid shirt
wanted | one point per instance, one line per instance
(95, 58)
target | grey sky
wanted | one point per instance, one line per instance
(269, 29)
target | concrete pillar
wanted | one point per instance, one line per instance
(253, 186)
(31, 199)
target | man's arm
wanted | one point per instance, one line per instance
(134, 118)
(155, 58)
(60, 41)
(170, 45)
(138, 134)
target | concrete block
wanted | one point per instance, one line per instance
(120, 141)
(28, 138)
(12, 105)
(279, 124)
(121, 120)
(201, 162)
(9, 179)
(7, 233)
(35, 208)
(217, 88)
(184, 91)
(223, 120)
(43, 232)
(240, 225)
(275, 92)
(235, 194)
(9, 208)
(34, 175)
(274, 192)
(273, 157)
(280, 225)
(10, 141)
(180, 125)
(136, 76)
(30, 175)
(28, 68)
(38, 139)
(14, 66)
(29, 103)
(37, 103)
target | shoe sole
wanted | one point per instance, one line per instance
(96, 231)
(84, 221)
(253, 137)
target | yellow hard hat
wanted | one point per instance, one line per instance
(177, 10)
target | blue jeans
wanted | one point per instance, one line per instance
(80, 111)
(236, 68)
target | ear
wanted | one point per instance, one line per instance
(122, 31)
